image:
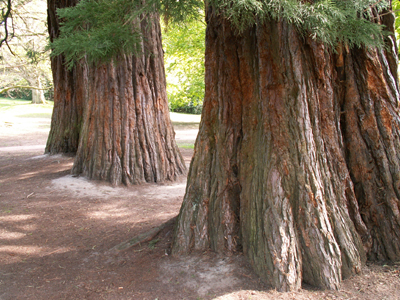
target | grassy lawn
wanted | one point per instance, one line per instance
(7, 102)
(17, 111)
(25, 109)
(185, 145)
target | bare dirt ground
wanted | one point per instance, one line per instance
(56, 232)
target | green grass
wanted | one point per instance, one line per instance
(35, 115)
(6, 103)
(185, 146)
(25, 109)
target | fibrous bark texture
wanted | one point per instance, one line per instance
(296, 162)
(70, 92)
(127, 136)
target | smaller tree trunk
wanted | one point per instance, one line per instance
(127, 136)
(70, 92)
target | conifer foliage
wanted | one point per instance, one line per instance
(103, 29)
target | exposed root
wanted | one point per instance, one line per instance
(142, 238)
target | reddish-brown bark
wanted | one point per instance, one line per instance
(127, 136)
(69, 92)
(370, 122)
(296, 160)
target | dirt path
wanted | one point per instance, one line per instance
(56, 232)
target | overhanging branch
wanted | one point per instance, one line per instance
(21, 87)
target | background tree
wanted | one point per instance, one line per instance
(25, 60)
(127, 136)
(396, 10)
(296, 162)
(70, 91)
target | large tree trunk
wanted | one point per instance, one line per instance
(296, 161)
(127, 134)
(70, 92)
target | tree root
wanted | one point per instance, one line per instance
(142, 238)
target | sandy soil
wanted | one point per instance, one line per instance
(56, 232)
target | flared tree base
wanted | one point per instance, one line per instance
(127, 136)
(292, 157)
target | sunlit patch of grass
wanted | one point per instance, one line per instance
(186, 146)
(6, 103)
(25, 109)
(46, 115)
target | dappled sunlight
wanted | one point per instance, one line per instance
(33, 250)
(242, 295)
(160, 216)
(10, 235)
(107, 212)
(26, 227)
(79, 186)
(19, 225)
(26, 250)
(83, 187)
(22, 174)
(56, 230)
(257, 295)
(28, 175)
(21, 148)
(18, 237)
(176, 186)
(15, 218)
(122, 213)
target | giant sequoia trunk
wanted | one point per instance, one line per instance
(297, 158)
(69, 92)
(127, 135)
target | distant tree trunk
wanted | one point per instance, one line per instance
(297, 158)
(127, 136)
(37, 94)
(70, 92)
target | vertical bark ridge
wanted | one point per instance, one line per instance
(127, 136)
(338, 191)
(371, 123)
(267, 217)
